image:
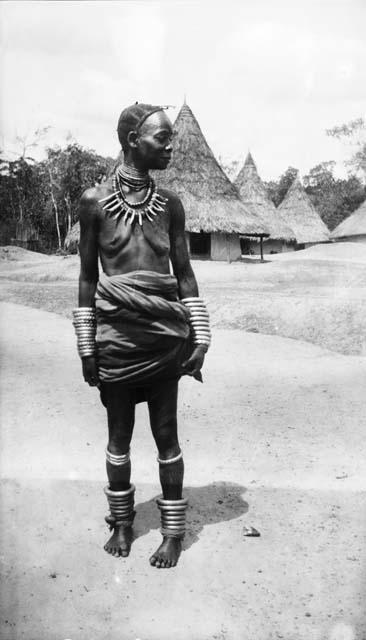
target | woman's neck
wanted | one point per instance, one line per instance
(133, 177)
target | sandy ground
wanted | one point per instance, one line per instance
(317, 295)
(273, 439)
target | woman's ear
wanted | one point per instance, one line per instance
(132, 138)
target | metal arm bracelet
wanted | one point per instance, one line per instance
(199, 321)
(84, 321)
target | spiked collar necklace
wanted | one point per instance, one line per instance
(119, 207)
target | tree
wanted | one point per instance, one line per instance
(334, 199)
(72, 170)
(231, 167)
(39, 200)
(355, 134)
(31, 141)
(23, 197)
(22, 192)
(278, 189)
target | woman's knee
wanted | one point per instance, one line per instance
(167, 443)
(119, 445)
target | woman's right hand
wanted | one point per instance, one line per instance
(90, 371)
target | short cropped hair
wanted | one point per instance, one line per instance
(132, 118)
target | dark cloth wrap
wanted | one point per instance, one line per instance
(142, 328)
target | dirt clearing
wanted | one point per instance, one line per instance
(274, 439)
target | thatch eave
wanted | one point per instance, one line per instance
(299, 213)
(212, 203)
(72, 238)
(257, 236)
(212, 215)
(278, 230)
(349, 238)
(254, 196)
(353, 226)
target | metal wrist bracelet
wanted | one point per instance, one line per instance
(199, 321)
(84, 321)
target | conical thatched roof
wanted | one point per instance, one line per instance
(210, 200)
(299, 213)
(354, 225)
(254, 195)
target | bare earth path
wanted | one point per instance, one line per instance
(274, 439)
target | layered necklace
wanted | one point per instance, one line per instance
(133, 180)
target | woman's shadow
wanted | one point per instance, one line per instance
(213, 503)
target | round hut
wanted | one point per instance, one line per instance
(215, 215)
(299, 213)
(254, 195)
(72, 239)
(353, 228)
(26, 236)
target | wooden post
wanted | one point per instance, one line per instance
(261, 243)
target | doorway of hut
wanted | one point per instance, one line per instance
(200, 245)
(245, 247)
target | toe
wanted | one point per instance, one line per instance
(153, 560)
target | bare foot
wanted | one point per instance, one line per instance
(168, 553)
(120, 542)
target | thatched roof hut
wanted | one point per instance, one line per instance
(299, 213)
(72, 238)
(254, 195)
(210, 200)
(353, 227)
(215, 214)
(26, 235)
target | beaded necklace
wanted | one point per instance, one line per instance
(133, 178)
(118, 205)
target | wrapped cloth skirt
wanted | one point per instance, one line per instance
(143, 334)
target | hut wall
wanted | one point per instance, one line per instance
(307, 245)
(361, 238)
(199, 245)
(225, 246)
(269, 247)
(31, 245)
(26, 236)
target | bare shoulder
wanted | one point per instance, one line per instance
(173, 198)
(92, 195)
(175, 206)
(90, 206)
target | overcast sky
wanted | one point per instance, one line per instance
(264, 75)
